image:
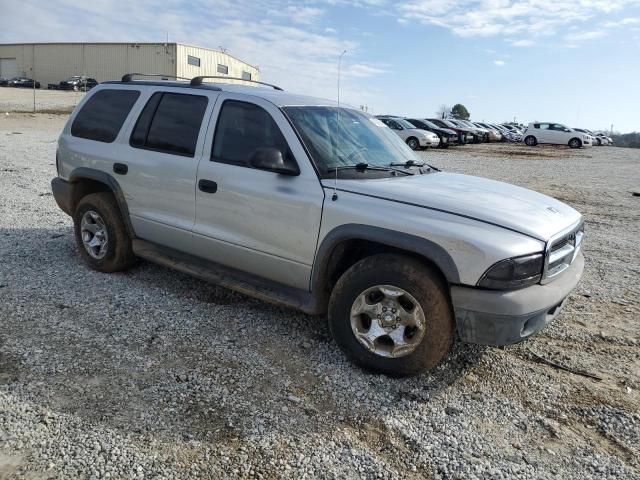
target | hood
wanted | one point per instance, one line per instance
(503, 204)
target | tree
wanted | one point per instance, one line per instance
(443, 111)
(460, 112)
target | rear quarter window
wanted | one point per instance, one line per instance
(103, 115)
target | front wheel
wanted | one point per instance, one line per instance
(390, 314)
(531, 141)
(575, 143)
(413, 143)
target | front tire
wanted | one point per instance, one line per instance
(575, 143)
(101, 235)
(413, 143)
(531, 141)
(390, 314)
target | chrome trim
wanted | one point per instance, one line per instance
(558, 259)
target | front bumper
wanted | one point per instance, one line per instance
(429, 142)
(493, 317)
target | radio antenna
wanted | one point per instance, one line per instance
(334, 197)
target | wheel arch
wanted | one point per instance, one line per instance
(85, 181)
(347, 244)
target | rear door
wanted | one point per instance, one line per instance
(165, 142)
(257, 221)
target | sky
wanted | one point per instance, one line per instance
(573, 62)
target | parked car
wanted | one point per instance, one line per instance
(592, 136)
(555, 133)
(78, 83)
(478, 134)
(413, 136)
(4, 82)
(483, 132)
(22, 82)
(446, 135)
(494, 135)
(304, 203)
(465, 135)
(509, 135)
(603, 139)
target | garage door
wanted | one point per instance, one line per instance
(8, 68)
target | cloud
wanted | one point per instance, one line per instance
(499, 63)
(522, 43)
(287, 41)
(487, 18)
(583, 36)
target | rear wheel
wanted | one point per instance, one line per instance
(598, 142)
(390, 314)
(531, 141)
(575, 143)
(413, 143)
(101, 234)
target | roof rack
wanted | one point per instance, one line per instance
(196, 81)
(129, 76)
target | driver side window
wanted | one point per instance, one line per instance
(393, 124)
(242, 130)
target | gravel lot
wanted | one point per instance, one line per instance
(52, 101)
(152, 374)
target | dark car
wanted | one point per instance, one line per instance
(465, 135)
(4, 82)
(23, 82)
(78, 83)
(446, 135)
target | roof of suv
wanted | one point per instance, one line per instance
(277, 97)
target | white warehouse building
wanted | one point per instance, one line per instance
(49, 63)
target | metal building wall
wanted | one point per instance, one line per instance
(209, 60)
(53, 62)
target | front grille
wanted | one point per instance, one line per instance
(562, 251)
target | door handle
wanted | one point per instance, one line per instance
(120, 168)
(207, 186)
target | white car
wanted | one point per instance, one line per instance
(556, 134)
(414, 137)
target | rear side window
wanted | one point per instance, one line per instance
(102, 117)
(243, 128)
(170, 123)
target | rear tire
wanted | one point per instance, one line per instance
(419, 293)
(575, 143)
(101, 235)
(530, 141)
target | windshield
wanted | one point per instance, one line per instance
(356, 138)
(403, 123)
(430, 124)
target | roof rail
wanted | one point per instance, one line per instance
(196, 81)
(129, 76)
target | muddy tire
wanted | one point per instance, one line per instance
(101, 235)
(414, 338)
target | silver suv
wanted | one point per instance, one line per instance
(304, 203)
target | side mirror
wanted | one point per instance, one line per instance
(271, 159)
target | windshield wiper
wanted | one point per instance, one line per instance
(413, 163)
(362, 166)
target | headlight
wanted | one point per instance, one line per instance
(517, 272)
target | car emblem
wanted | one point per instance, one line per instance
(553, 210)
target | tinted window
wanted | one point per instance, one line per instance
(170, 123)
(195, 61)
(101, 118)
(246, 76)
(223, 69)
(242, 129)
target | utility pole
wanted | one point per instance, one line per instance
(33, 75)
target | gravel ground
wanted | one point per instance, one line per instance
(21, 100)
(152, 374)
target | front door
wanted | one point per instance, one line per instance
(257, 221)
